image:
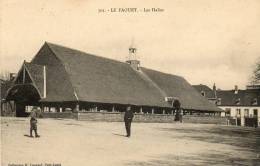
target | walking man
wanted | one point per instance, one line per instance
(128, 120)
(33, 123)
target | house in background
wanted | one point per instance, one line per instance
(7, 107)
(241, 106)
(210, 94)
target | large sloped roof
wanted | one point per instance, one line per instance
(36, 73)
(209, 93)
(241, 98)
(85, 77)
(98, 79)
(59, 88)
(177, 86)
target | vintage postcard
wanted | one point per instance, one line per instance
(130, 83)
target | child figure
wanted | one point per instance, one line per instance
(33, 123)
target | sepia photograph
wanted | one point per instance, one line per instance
(130, 83)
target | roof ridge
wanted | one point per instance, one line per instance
(90, 54)
(30, 63)
(83, 52)
(163, 72)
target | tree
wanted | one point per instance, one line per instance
(5, 75)
(256, 73)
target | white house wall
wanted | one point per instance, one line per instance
(233, 112)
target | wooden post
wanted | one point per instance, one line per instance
(42, 108)
(44, 81)
(77, 107)
(113, 108)
(141, 110)
(163, 111)
(23, 74)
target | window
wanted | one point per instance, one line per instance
(238, 111)
(237, 102)
(219, 101)
(246, 112)
(28, 108)
(227, 110)
(203, 93)
(53, 109)
(254, 102)
(255, 112)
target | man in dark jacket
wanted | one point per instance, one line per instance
(33, 123)
(128, 120)
(177, 106)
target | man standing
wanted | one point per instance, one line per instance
(128, 120)
(33, 123)
(177, 106)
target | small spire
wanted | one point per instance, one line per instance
(215, 90)
(132, 51)
(132, 57)
(214, 86)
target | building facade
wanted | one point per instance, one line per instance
(7, 107)
(60, 79)
(241, 106)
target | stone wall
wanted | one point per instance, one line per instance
(7, 108)
(100, 116)
(119, 117)
(149, 118)
(205, 119)
(65, 115)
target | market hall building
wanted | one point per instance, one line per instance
(59, 79)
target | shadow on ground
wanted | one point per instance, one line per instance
(241, 137)
(26, 135)
(199, 160)
(121, 135)
(73, 124)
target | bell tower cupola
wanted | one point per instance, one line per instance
(132, 57)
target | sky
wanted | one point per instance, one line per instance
(205, 41)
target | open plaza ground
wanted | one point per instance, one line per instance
(69, 142)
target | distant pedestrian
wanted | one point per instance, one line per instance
(177, 106)
(128, 120)
(181, 114)
(33, 123)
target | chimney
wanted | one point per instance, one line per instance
(215, 90)
(132, 58)
(236, 89)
